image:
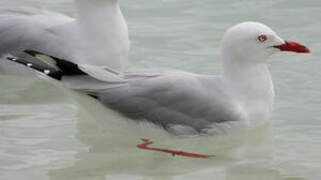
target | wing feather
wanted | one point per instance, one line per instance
(30, 28)
(175, 99)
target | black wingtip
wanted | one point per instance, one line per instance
(67, 67)
(42, 68)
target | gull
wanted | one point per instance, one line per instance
(185, 103)
(98, 37)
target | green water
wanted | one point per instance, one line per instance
(49, 132)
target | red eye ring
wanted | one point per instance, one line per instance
(262, 38)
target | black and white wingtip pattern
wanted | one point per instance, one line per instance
(51, 72)
(57, 69)
(67, 67)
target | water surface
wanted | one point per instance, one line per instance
(49, 132)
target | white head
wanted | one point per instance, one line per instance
(255, 42)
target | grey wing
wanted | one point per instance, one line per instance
(177, 99)
(30, 28)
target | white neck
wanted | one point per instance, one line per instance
(105, 31)
(251, 80)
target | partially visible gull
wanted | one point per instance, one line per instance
(98, 37)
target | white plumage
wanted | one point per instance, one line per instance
(98, 37)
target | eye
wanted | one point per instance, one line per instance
(262, 38)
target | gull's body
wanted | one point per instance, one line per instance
(188, 103)
(180, 102)
(99, 35)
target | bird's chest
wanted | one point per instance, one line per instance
(258, 110)
(256, 96)
(258, 102)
